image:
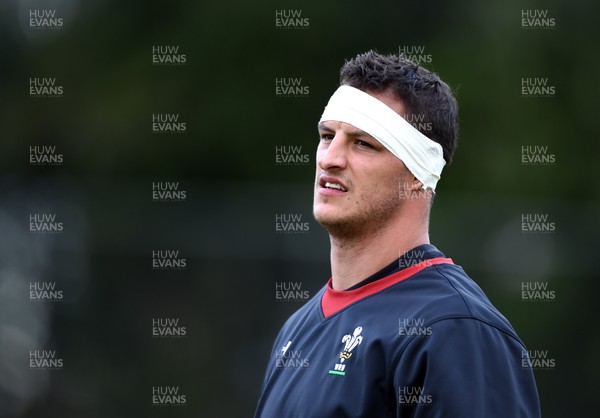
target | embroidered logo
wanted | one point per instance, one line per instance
(285, 347)
(351, 341)
(293, 359)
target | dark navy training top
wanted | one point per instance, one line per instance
(417, 339)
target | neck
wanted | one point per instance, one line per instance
(354, 259)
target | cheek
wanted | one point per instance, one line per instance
(318, 155)
(383, 183)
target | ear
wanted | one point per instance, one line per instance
(415, 185)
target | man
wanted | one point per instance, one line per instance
(399, 330)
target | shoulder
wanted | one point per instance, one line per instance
(307, 312)
(446, 292)
(471, 368)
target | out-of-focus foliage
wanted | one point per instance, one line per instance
(225, 161)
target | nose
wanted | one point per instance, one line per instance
(333, 155)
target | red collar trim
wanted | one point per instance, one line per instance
(334, 301)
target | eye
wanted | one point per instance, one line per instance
(364, 144)
(326, 137)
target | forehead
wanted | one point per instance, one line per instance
(387, 97)
(348, 129)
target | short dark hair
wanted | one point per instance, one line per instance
(422, 92)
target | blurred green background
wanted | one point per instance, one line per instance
(225, 161)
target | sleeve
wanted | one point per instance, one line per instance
(465, 368)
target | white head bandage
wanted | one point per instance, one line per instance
(422, 156)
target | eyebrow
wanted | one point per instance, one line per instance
(357, 132)
(322, 127)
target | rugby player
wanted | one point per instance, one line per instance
(399, 330)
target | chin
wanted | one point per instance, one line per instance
(322, 215)
(328, 218)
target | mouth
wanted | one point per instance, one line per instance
(331, 186)
(336, 186)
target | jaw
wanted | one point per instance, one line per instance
(327, 210)
(339, 215)
(356, 215)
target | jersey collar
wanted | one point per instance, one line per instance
(334, 301)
